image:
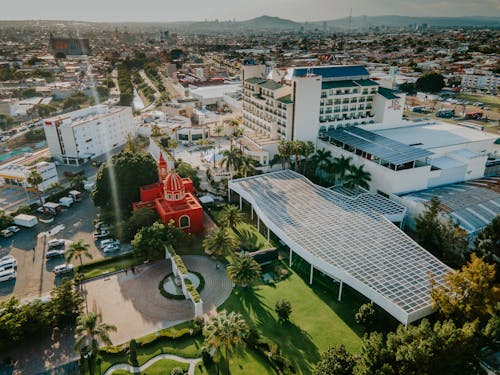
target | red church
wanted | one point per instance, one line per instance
(172, 198)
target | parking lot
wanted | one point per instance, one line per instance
(35, 278)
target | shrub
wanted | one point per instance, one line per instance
(366, 316)
(132, 352)
(283, 308)
(207, 359)
(177, 371)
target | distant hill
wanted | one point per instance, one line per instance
(268, 22)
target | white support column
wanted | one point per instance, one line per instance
(251, 212)
(268, 234)
(258, 223)
(340, 290)
(241, 203)
(311, 276)
(290, 258)
(229, 195)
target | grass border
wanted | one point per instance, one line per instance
(168, 295)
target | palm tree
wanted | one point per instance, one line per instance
(225, 331)
(231, 217)
(77, 250)
(218, 130)
(246, 166)
(358, 177)
(90, 331)
(35, 179)
(231, 158)
(296, 148)
(77, 182)
(342, 165)
(322, 160)
(155, 131)
(307, 152)
(244, 270)
(220, 242)
(284, 151)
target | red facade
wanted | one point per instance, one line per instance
(172, 198)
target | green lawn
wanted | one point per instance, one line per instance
(490, 100)
(162, 367)
(241, 362)
(109, 265)
(317, 319)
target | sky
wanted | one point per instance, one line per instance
(198, 10)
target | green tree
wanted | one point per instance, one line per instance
(335, 361)
(77, 182)
(143, 217)
(283, 308)
(342, 166)
(487, 244)
(90, 332)
(220, 242)
(5, 220)
(467, 294)
(246, 167)
(358, 177)
(150, 241)
(366, 316)
(6, 121)
(430, 82)
(243, 270)
(231, 158)
(307, 152)
(427, 227)
(155, 131)
(231, 217)
(285, 152)
(132, 352)
(224, 332)
(78, 250)
(322, 161)
(186, 170)
(35, 179)
(120, 178)
(66, 302)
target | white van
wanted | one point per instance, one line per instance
(6, 275)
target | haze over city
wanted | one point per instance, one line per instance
(198, 10)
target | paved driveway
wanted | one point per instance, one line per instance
(133, 303)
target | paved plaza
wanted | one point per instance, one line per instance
(133, 303)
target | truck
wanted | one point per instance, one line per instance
(24, 220)
(418, 109)
(474, 116)
(66, 201)
(445, 113)
(52, 208)
(76, 195)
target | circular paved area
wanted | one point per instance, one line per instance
(133, 303)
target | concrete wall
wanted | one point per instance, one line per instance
(306, 93)
(388, 111)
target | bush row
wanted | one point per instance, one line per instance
(166, 294)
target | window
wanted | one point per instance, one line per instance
(184, 222)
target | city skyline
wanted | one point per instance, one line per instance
(196, 10)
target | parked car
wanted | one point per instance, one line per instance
(55, 243)
(6, 233)
(54, 253)
(111, 248)
(101, 234)
(8, 262)
(6, 275)
(14, 228)
(63, 268)
(109, 241)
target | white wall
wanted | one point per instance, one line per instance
(306, 93)
(388, 111)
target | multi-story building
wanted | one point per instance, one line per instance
(69, 46)
(17, 174)
(489, 82)
(300, 103)
(87, 133)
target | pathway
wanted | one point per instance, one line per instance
(139, 369)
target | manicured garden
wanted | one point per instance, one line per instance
(162, 367)
(108, 265)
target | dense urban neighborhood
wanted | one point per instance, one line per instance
(262, 196)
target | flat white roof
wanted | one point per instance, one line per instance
(434, 135)
(218, 91)
(348, 238)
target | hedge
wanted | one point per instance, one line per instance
(166, 294)
(192, 290)
(180, 264)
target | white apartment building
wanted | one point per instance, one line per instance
(87, 133)
(17, 174)
(301, 103)
(489, 82)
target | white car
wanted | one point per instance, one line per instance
(101, 234)
(63, 268)
(55, 243)
(111, 248)
(14, 228)
(109, 241)
(54, 253)
(7, 262)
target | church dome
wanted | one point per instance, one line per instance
(173, 187)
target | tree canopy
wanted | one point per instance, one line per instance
(335, 361)
(430, 82)
(122, 176)
(150, 241)
(487, 244)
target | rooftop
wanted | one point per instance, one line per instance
(333, 72)
(474, 204)
(383, 148)
(388, 93)
(347, 238)
(271, 85)
(435, 134)
(287, 99)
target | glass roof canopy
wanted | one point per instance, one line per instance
(383, 148)
(350, 239)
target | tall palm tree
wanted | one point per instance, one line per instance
(90, 331)
(307, 152)
(78, 250)
(231, 217)
(224, 332)
(218, 130)
(322, 160)
(220, 242)
(342, 166)
(296, 148)
(231, 158)
(285, 151)
(244, 270)
(35, 179)
(358, 177)
(246, 166)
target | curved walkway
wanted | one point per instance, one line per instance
(138, 369)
